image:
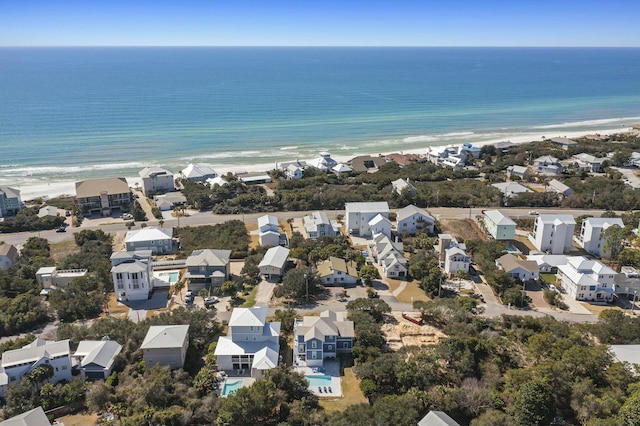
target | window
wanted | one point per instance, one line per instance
(314, 355)
(329, 347)
(314, 344)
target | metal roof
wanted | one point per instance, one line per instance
(165, 336)
(275, 256)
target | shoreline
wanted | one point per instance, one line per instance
(56, 188)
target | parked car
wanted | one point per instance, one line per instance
(61, 229)
(533, 213)
(209, 301)
(127, 216)
(188, 297)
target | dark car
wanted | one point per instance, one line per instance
(61, 229)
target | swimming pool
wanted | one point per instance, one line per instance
(231, 387)
(319, 380)
(170, 277)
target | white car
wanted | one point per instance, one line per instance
(533, 213)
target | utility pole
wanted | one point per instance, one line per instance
(306, 280)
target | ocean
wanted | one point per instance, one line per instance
(68, 114)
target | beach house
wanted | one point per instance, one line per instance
(294, 172)
(588, 163)
(158, 240)
(169, 200)
(367, 163)
(510, 189)
(95, 358)
(252, 344)
(324, 162)
(412, 219)
(337, 272)
(10, 202)
(319, 337)
(591, 237)
(156, 179)
(563, 143)
(558, 187)
(132, 274)
(269, 231)
(520, 172)
(452, 254)
(218, 180)
(103, 196)
(207, 268)
(17, 363)
(399, 185)
(51, 276)
(389, 255)
(547, 165)
(587, 280)
(8, 256)
(522, 270)
(48, 211)
(380, 225)
(499, 225)
(198, 172)
(166, 345)
(553, 233)
(358, 216)
(274, 262)
(34, 417)
(317, 225)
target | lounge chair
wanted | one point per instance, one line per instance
(325, 390)
(320, 389)
(330, 391)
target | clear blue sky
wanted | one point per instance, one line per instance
(320, 23)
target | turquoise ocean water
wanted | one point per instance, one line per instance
(73, 113)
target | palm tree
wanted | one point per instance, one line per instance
(177, 288)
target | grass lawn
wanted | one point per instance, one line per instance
(250, 299)
(116, 308)
(63, 249)
(393, 284)
(351, 392)
(79, 419)
(412, 292)
(596, 309)
(549, 278)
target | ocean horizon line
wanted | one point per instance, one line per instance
(293, 46)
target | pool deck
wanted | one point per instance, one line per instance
(329, 368)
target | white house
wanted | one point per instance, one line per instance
(318, 224)
(198, 172)
(341, 168)
(547, 165)
(591, 237)
(274, 262)
(132, 274)
(452, 254)
(35, 417)
(548, 263)
(522, 270)
(559, 188)
(389, 256)
(521, 172)
(499, 225)
(324, 162)
(587, 279)
(158, 240)
(218, 180)
(94, 358)
(318, 337)
(553, 233)
(48, 211)
(399, 185)
(437, 418)
(358, 216)
(156, 179)
(294, 172)
(50, 276)
(252, 344)
(563, 143)
(412, 219)
(18, 362)
(10, 201)
(336, 271)
(380, 225)
(165, 344)
(8, 256)
(589, 163)
(169, 200)
(268, 229)
(453, 156)
(511, 189)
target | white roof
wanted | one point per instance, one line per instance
(368, 207)
(437, 418)
(410, 210)
(626, 353)
(129, 267)
(341, 168)
(48, 211)
(604, 222)
(548, 159)
(10, 192)
(151, 171)
(217, 180)
(557, 219)
(265, 359)
(35, 417)
(518, 169)
(552, 260)
(245, 317)
(266, 220)
(197, 171)
(99, 352)
(499, 218)
(165, 336)
(275, 256)
(377, 219)
(558, 186)
(34, 351)
(400, 184)
(208, 257)
(46, 270)
(510, 188)
(148, 234)
(226, 346)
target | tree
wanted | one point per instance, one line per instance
(377, 308)
(229, 288)
(534, 404)
(178, 286)
(369, 273)
(286, 317)
(299, 283)
(368, 388)
(629, 414)
(98, 395)
(613, 238)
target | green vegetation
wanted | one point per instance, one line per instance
(27, 220)
(231, 235)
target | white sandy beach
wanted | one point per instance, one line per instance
(57, 188)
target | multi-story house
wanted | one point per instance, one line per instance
(553, 233)
(499, 225)
(132, 274)
(452, 254)
(587, 279)
(318, 225)
(166, 345)
(269, 231)
(103, 196)
(252, 344)
(591, 237)
(412, 219)
(358, 216)
(547, 165)
(158, 240)
(337, 272)
(50, 276)
(317, 338)
(17, 363)
(274, 262)
(380, 225)
(198, 172)
(207, 268)
(389, 256)
(8, 256)
(10, 202)
(156, 180)
(94, 358)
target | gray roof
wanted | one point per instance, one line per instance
(129, 267)
(255, 316)
(267, 219)
(10, 192)
(94, 187)
(36, 350)
(437, 418)
(329, 323)
(154, 171)
(99, 352)
(172, 197)
(627, 353)
(368, 207)
(499, 218)
(510, 188)
(165, 336)
(208, 257)
(510, 262)
(557, 219)
(35, 417)
(275, 256)
(48, 211)
(559, 187)
(410, 210)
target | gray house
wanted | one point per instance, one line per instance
(317, 338)
(158, 240)
(94, 358)
(10, 202)
(166, 344)
(207, 267)
(156, 179)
